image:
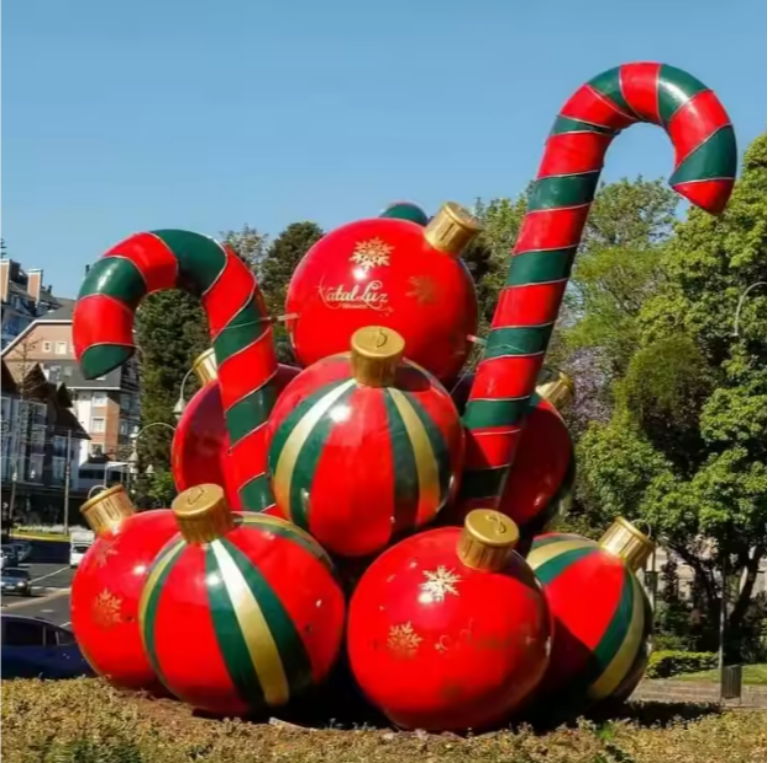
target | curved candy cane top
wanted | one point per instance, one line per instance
(705, 168)
(242, 337)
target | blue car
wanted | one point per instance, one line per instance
(34, 648)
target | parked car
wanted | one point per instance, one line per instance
(9, 555)
(23, 549)
(16, 580)
(34, 648)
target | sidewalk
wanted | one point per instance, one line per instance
(671, 690)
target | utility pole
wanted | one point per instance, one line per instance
(67, 473)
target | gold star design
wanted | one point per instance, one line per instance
(423, 289)
(440, 582)
(403, 640)
(372, 253)
(106, 610)
(104, 550)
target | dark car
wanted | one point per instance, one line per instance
(16, 580)
(34, 648)
(23, 549)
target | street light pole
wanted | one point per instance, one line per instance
(741, 304)
(67, 477)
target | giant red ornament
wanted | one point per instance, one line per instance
(449, 629)
(390, 272)
(241, 612)
(364, 446)
(200, 450)
(108, 584)
(601, 614)
(539, 484)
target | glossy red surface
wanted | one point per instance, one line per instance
(545, 452)
(105, 598)
(382, 272)
(440, 646)
(200, 448)
(369, 467)
(246, 622)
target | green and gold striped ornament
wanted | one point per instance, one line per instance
(602, 616)
(240, 612)
(364, 447)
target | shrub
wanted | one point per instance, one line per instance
(85, 721)
(667, 663)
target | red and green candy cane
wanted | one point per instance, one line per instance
(237, 319)
(559, 204)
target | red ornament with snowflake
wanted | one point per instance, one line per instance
(449, 630)
(200, 450)
(108, 584)
(393, 273)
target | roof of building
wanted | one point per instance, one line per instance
(62, 313)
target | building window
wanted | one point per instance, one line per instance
(99, 398)
(97, 450)
(47, 347)
(98, 425)
(59, 465)
(67, 371)
(35, 473)
(123, 427)
(61, 348)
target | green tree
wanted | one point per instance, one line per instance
(249, 244)
(685, 449)
(280, 261)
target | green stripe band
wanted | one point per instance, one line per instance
(115, 277)
(500, 412)
(563, 191)
(715, 158)
(540, 266)
(201, 259)
(405, 474)
(517, 340)
(608, 84)
(256, 494)
(485, 483)
(293, 654)
(250, 413)
(241, 331)
(565, 125)
(554, 567)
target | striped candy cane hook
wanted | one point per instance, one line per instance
(705, 168)
(242, 337)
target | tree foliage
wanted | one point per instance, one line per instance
(685, 447)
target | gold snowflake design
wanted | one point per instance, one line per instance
(403, 640)
(440, 582)
(372, 253)
(106, 610)
(104, 551)
(423, 289)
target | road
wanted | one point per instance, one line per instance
(50, 594)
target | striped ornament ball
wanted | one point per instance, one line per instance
(601, 614)
(364, 447)
(241, 612)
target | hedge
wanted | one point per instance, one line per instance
(85, 721)
(668, 663)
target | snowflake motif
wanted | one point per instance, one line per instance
(440, 582)
(372, 253)
(403, 640)
(104, 551)
(423, 289)
(106, 610)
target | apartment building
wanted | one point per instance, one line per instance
(41, 442)
(24, 298)
(107, 408)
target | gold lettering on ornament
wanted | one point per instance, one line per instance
(369, 297)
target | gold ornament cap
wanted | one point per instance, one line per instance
(376, 354)
(202, 513)
(624, 540)
(452, 229)
(488, 540)
(558, 391)
(106, 511)
(205, 368)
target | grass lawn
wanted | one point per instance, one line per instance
(752, 675)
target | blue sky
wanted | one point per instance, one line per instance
(202, 114)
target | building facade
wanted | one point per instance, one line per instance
(24, 298)
(107, 408)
